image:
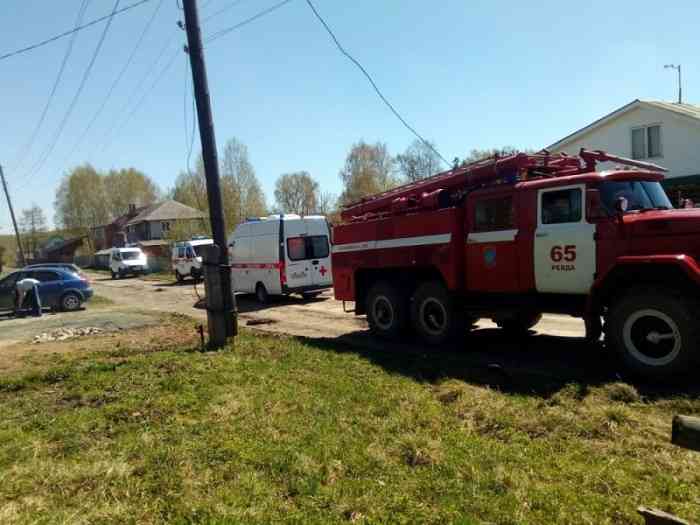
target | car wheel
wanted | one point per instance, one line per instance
(654, 333)
(71, 302)
(261, 293)
(387, 311)
(434, 315)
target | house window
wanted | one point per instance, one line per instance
(165, 226)
(646, 142)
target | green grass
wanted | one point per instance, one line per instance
(285, 430)
(100, 301)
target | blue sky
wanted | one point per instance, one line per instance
(465, 74)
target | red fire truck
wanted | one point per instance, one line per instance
(511, 238)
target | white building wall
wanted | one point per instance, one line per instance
(680, 139)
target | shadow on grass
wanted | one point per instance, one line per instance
(537, 365)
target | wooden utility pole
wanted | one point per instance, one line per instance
(12, 214)
(227, 315)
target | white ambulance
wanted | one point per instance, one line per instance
(187, 258)
(130, 260)
(280, 255)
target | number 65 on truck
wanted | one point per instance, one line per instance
(514, 237)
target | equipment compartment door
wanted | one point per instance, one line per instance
(565, 251)
(492, 252)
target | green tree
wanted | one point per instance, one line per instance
(297, 193)
(33, 226)
(128, 186)
(480, 154)
(240, 189)
(368, 170)
(419, 161)
(80, 200)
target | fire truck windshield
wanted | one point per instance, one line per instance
(640, 195)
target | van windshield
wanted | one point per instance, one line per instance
(130, 256)
(304, 248)
(640, 195)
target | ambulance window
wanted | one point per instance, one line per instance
(561, 206)
(296, 249)
(312, 247)
(318, 245)
(494, 214)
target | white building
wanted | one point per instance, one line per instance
(664, 133)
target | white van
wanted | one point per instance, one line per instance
(125, 261)
(281, 254)
(187, 258)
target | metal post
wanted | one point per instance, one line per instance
(211, 168)
(14, 221)
(680, 86)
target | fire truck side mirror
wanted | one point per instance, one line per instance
(594, 205)
(621, 205)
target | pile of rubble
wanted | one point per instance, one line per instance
(61, 334)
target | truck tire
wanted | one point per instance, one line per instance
(434, 316)
(261, 293)
(387, 311)
(520, 324)
(655, 333)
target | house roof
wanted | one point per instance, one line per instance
(169, 210)
(686, 110)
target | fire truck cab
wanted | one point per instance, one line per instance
(512, 238)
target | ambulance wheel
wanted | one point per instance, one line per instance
(261, 293)
(433, 314)
(179, 277)
(654, 333)
(387, 311)
(114, 275)
(308, 296)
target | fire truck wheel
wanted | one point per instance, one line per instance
(261, 293)
(520, 324)
(655, 333)
(433, 314)
(387, 311)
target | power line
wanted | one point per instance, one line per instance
(222, 10)
(74, 30)
(76, 97)
(247, 21)
(118, 79)
(189, 141)
(374, 85)
(27, 147)
(111, 132)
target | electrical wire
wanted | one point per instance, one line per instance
(74, 30)
(22, 155)
(247, 21)
(373, 83)
(108, 138)
(118, 79)
(76, 97)
(222, 10)
(189, 140)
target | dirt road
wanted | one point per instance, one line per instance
(322, 317)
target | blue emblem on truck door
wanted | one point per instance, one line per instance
(490, 257)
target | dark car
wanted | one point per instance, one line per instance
(69, 267)
(58, 289)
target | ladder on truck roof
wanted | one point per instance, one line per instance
(489, 171)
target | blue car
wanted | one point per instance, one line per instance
(58, 289)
